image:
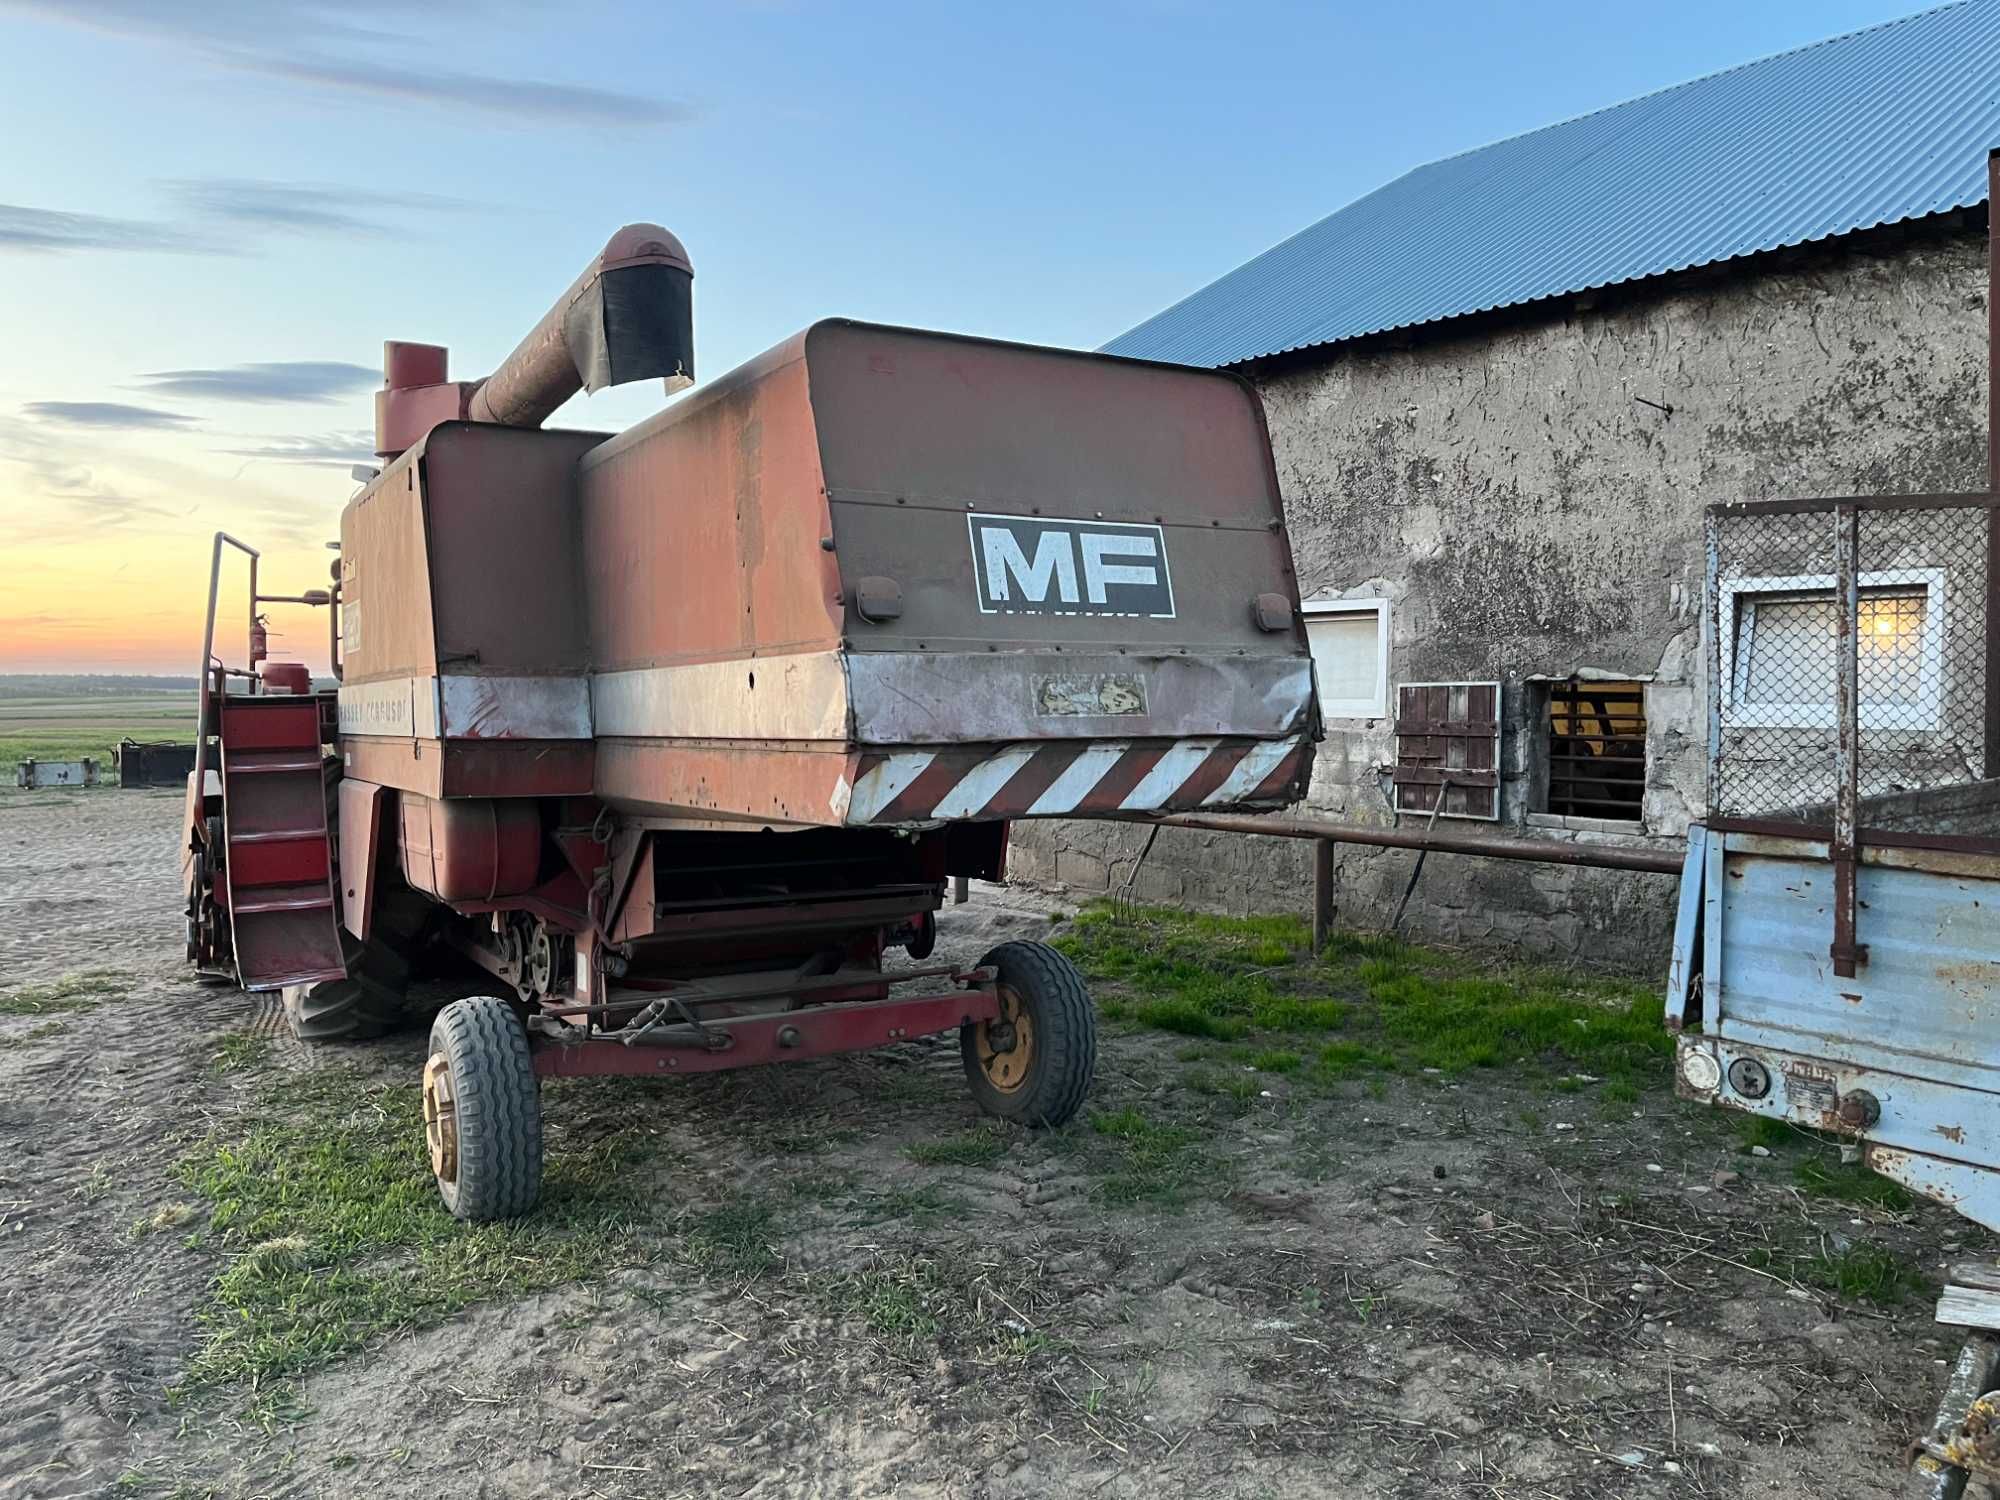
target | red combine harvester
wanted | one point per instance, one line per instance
(677, 733)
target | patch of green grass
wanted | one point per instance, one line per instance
(1349, 946)
(1185, 1017)
(1865, 1273)
(1288, 1013)
(1338, 1061)
(1239, 1087)
(238, 1052)
(39, 1033)
(1396, 1006)
(980, 1146)
(334, 1235)
(902, 1305)
(1766, 1131)
(1456, 1023)
(1155, 1161)
(1276, 1060)
(734, 1240)
(79, 991)
(1850, 1182)
(1619, 1091)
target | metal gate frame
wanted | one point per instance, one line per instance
(1843, 834)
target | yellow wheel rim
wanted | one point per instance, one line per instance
(441, 1118)
(1008, 1066)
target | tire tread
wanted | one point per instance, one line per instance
(1065, 1032)
(499, 1109)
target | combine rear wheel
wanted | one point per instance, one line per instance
(483, 1111)
(1033, 1063)
(367, 1003)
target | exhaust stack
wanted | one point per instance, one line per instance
(628, 317)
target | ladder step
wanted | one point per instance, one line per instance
(238, 766)
(277, 836)
(286, 903)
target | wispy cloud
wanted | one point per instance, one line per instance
(324, 47)
(515, 98)
(326, 449)
(52, 231)
(108, 414)
(309, 207)
(295, 381)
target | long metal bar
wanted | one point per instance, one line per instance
(208, 653)
(1322, 893)
(1967, 501)
(1846, 952)
(1486, 846)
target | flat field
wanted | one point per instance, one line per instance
(70, 728)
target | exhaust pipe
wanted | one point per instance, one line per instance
(628, 317)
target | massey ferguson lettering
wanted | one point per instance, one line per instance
(1028, 565)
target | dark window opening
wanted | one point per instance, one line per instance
(1597, 749)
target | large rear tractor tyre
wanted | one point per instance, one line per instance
(483, 1111)
(367, 1003)
(1034, 1062)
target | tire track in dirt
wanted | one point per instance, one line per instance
(97, 1321)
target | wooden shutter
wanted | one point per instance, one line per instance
(1448, 739)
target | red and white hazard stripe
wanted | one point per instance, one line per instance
(1075, 778)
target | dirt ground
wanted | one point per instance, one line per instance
(1405, 1287)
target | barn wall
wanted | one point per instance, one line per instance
(1528, 515)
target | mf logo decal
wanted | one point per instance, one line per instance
(1027, 565)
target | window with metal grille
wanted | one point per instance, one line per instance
(1448, 749)
(1779, 662)
(1596, 749)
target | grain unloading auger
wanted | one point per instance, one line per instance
(677, 733)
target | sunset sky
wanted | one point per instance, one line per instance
(212, 212)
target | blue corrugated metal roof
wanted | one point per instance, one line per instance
(1869, 128)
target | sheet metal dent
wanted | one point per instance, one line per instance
(468, 708)
(926, 698)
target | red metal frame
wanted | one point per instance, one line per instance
(773, 1037)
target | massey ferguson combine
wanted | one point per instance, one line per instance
(678, 733)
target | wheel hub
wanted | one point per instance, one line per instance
(441, 1118)
(1006, 1044)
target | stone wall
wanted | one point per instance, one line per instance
(1529, 508)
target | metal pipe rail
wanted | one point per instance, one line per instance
(1326, 834)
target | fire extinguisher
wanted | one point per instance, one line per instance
(260, 641)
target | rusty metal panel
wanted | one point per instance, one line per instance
(760, 784)
(858, 453)
(385, 588)
(930, 441)
(702, 527)
(1448, 746)
(500, 504)
(45, 773)
(1927, 1000)
(361, 807)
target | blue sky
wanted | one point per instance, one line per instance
(211, 214)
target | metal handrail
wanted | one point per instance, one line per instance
(209, 661)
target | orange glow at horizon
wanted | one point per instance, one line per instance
(133, 603)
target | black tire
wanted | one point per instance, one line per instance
(1049, 1086)
(367, 1003)
(493, 1169)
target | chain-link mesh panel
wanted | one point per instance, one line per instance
(1919, 663)
(1772, 659)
